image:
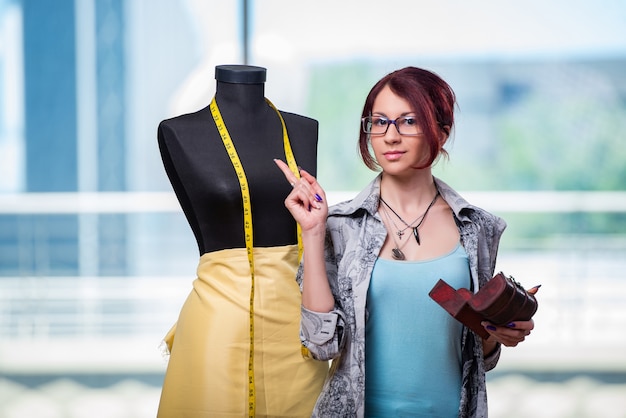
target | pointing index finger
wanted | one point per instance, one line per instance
(291, 178)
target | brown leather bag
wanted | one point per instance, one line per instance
(500, 301)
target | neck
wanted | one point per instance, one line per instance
(404, 194)
(245, 97)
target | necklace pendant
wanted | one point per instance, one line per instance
(416, 234)
(397, 254)
(400, 233)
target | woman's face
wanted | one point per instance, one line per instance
(397, 154)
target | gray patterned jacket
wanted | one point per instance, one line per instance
(354, 237)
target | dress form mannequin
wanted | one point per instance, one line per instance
(203, 177)
(208, 372)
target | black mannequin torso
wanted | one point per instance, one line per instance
(203, 176)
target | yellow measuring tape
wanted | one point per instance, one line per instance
(247, 221)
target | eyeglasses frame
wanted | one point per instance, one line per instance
(389, 123)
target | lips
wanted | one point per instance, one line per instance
(393, 155)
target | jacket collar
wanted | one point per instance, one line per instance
(367, 200)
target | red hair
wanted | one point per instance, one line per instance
(432, 100)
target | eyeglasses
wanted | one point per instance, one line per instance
(378, 125)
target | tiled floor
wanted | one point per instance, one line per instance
(510, 396)
(67, 399)
(516, 396)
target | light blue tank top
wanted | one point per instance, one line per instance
(412, 345)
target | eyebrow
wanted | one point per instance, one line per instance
(401, 115)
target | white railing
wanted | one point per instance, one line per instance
(150, 202)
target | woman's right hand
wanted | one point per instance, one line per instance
(307, 201)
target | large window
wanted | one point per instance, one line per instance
(95, 251)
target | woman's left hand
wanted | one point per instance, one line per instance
(511, 334)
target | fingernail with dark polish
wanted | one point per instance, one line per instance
(491, 328)
(511, 325)
(318, 197)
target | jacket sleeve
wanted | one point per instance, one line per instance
(492, 359)
(492, 229)
(322, 334)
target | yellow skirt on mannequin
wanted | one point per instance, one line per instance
(207, 373)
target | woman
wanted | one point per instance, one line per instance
(369, 264)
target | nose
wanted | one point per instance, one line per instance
(392, 135)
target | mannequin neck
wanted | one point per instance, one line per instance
(245, 97)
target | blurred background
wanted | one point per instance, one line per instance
(96, 257)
